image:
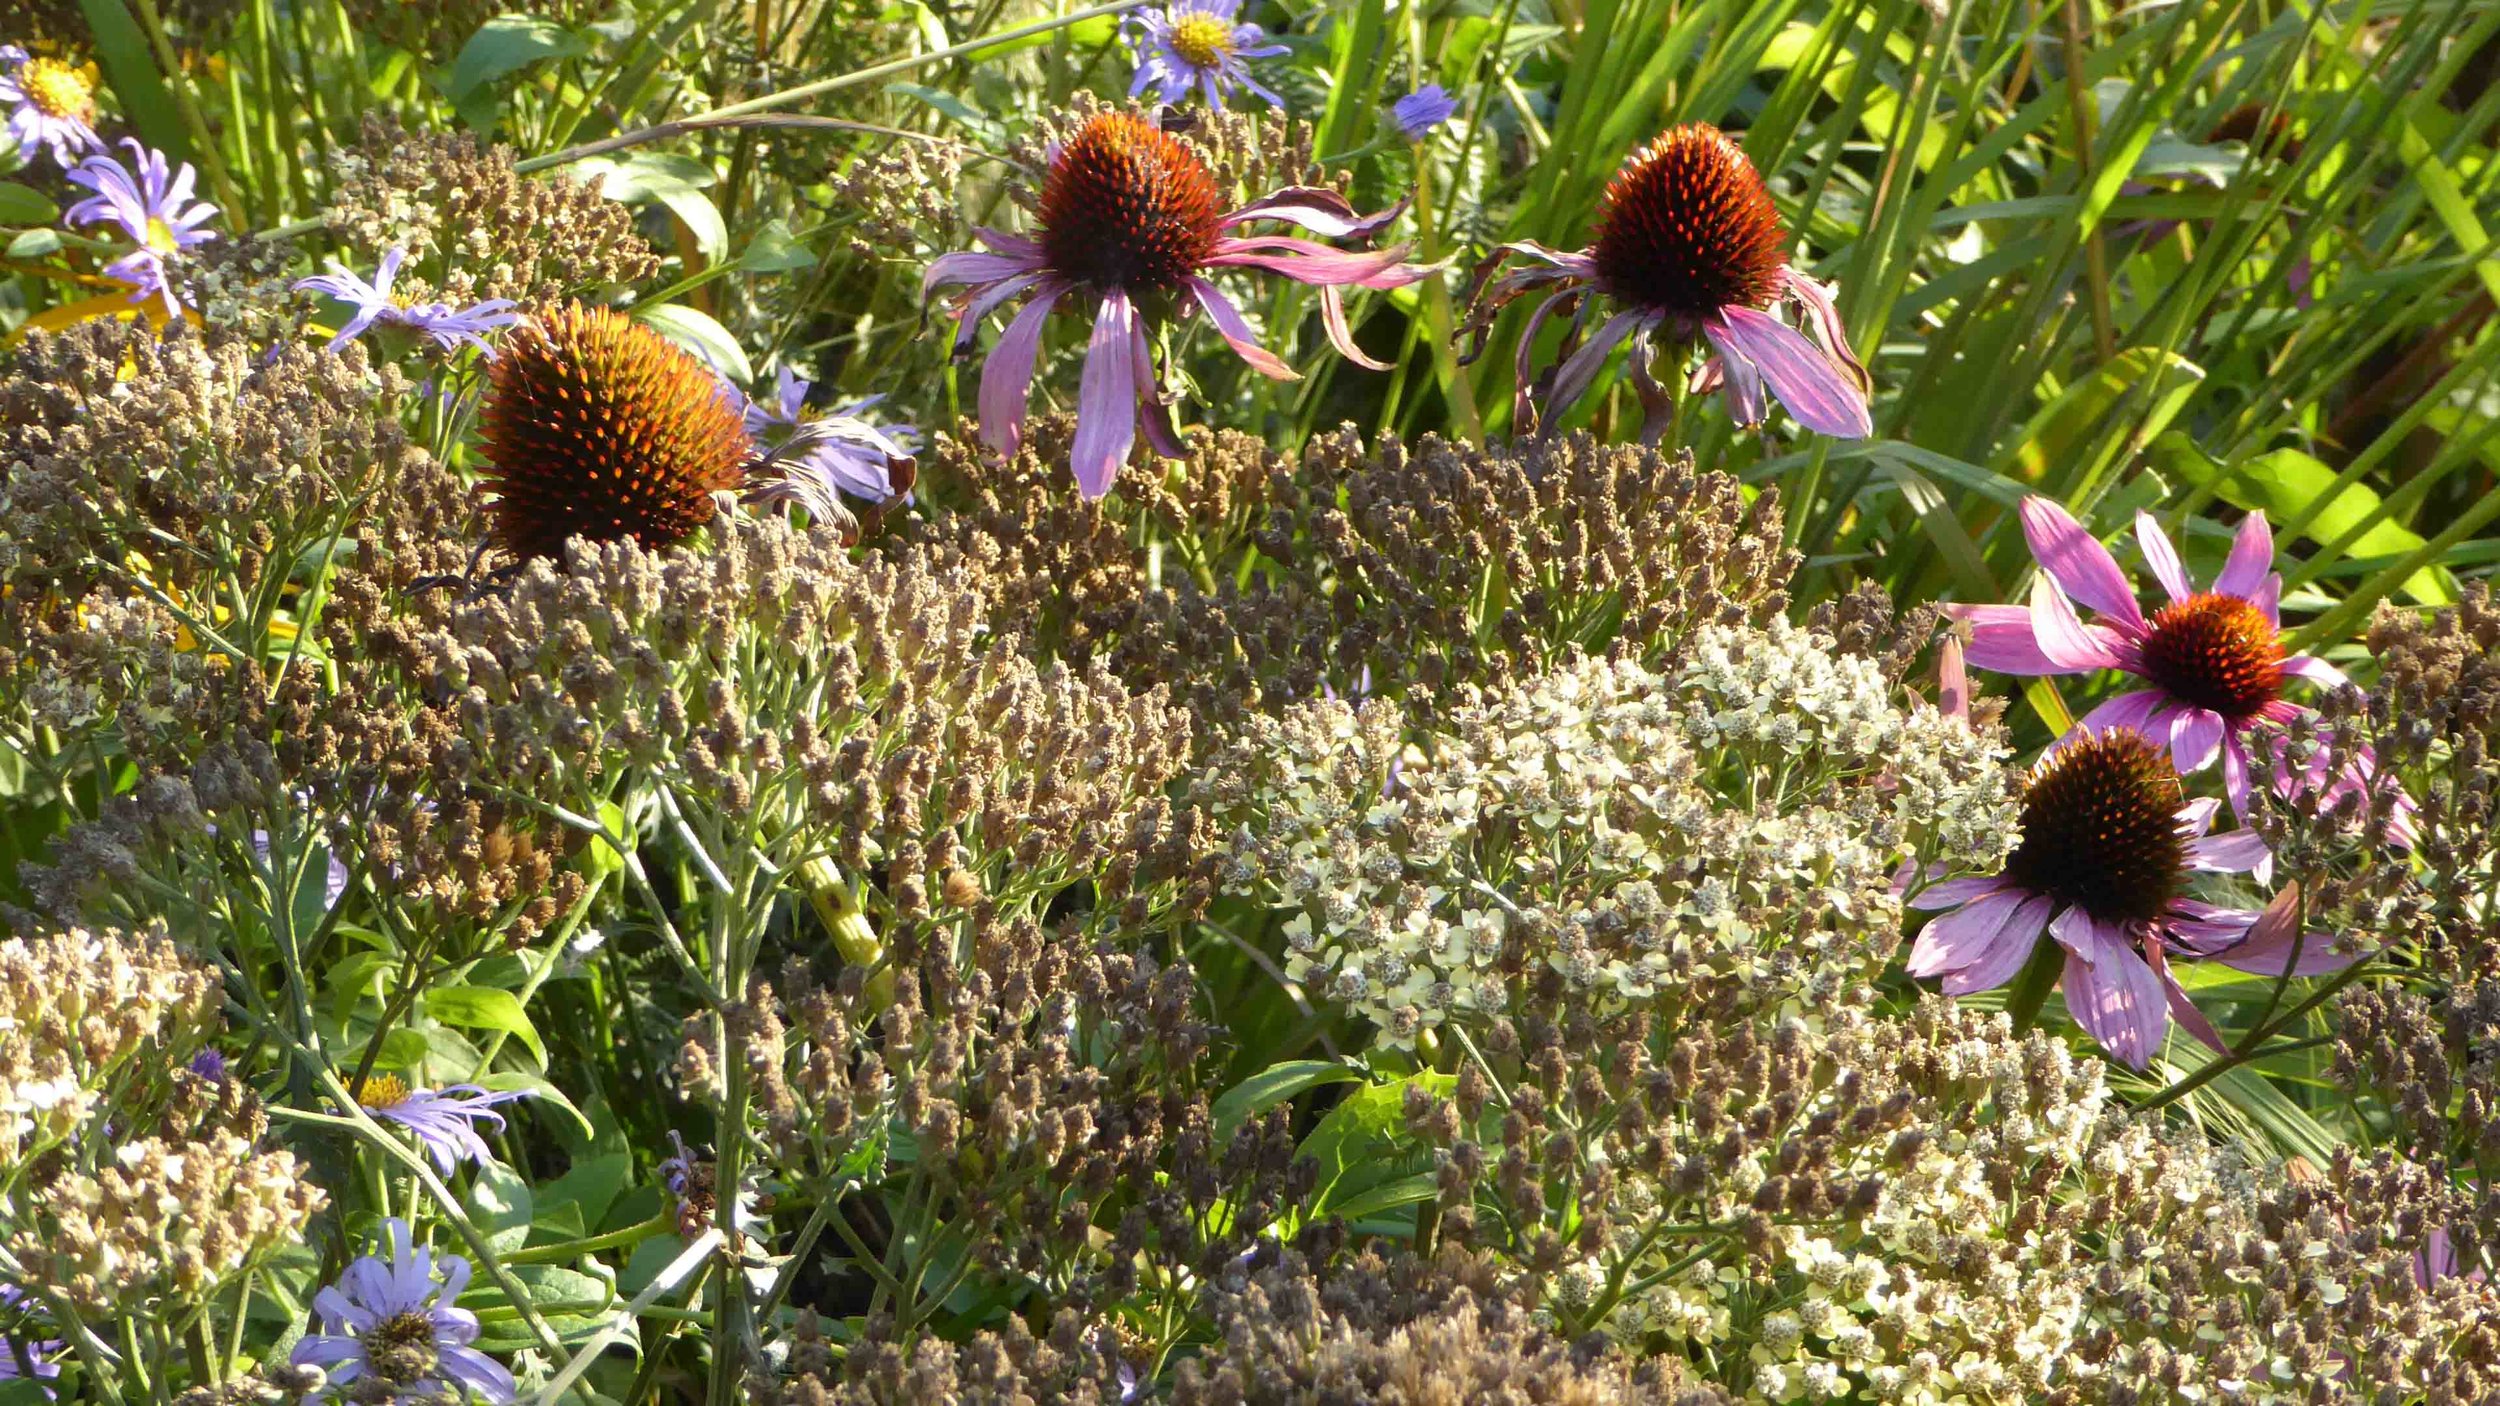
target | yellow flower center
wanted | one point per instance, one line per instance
(161, 236)
(382, 1091)
(59, 89)
(1202, 41)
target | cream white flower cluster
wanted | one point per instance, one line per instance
(75, 1008)
(1738, 819)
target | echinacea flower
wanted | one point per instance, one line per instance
(1688, 247)
(2108, 846)
(152, 204)
(816, 458)
(594, 425)
(51, 105)
(2214, 658)
(1197, 45)
(1131, 220)
(1420, 111)
(393, 1327)
(444, 1120)
(371, 303)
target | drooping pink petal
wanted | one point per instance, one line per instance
(2080, 563)
(1317, 209)
(1963, 936)
(2004, 958)
(1740, 389)
(2275, 942)
(1823, 320)
(1306, 262)
(2110, 990)
(2315, 670)
(970, 267)
(1152, 413)
(2132, 711)
(1583, 365)
(2269, 599)
(2195, 735)
(1822, 396)
(981, 304)
(2231, 852)
(1952, 681)
(1341, 336)
(2063, 640)
(1236, 332)
(1015, 245)
(2182, 1009)
(1523, 409)
(2002, 640)
(1953, 893)
(2197, 816)
(1007, 377)
(2162, 557)
(2251, 559)
(1106, 400)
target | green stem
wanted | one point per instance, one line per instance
(2032, 984)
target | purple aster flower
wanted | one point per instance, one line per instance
(26, 1358)
(444, 1120)
(1131, 221)
(2214, 658)
(1420, 111)
(51, 106)
(814, 459)
(210, 1064)
(2108, 847)
(372, 303)
(1196, 44)
(152, 204)
(391, 1323)
(1690, 248)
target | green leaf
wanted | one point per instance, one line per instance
(591, 1187)
(1389, 1195)
(129, 64)
(775, 250)
(500, 1205)
(2287, 483)
(24, 205)
(34, 244)
(485, 1008)
(1272, 1086)
(698, 333)
(1363, 1143)
(507, 44)
(23, 1391)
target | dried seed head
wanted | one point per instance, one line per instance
(2101, 829)
(1126, 205)
(1687, 227)
(597, 426)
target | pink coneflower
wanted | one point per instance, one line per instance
(2214, 658)
(1689, 248)
(2108, 847)
(1132, 220)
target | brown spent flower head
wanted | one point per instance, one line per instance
(1688, 227)
(2216, 651)
(2101, 829)
(1127, 205)
(597, 426)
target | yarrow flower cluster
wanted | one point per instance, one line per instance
(1426, 896)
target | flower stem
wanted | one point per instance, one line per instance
(2032, 984)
